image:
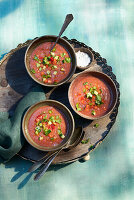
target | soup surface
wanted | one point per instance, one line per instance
(91, 96)
(50, 67)
(47, 126)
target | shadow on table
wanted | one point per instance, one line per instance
(21, 167)
(16, 74)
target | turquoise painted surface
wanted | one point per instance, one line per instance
(107, 26)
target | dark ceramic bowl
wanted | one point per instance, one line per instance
(106, 79)
(67, 114)
(89, 53)
(50, 38)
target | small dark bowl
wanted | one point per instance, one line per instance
(67, 114)
(50, 38)
(106, 79)
(87, 51)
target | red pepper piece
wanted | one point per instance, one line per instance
(40, 117)
(42, 73)
(40, 57)
(52, 126)
(51, 59)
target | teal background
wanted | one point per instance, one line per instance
(108, 27)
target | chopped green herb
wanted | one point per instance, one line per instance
(56, 57)
(94, 88)
(49, 122)
(98, 100)
(47, 76)
(45, 58)
(52, 138)
(33, 71)
(45, 118)
(36, 58)
(40, 138)
(90, 104)
(45, 61)
(101, 90)
(77, 107)
(84, 90)
(40, 124)
(50, 111)
(85, 141)
(95, 92)
(63, 54)
(96, 125)
(68, 60)
(37, 64)
(60, 134)
(36, 133)
(91, 147)
(48, 57)
(86, 83)
(52, 54)
(48, 72)
(57, 117)
(38, 129)
(63, 61)
(55, 72)
(52, 119)
(58, 121)
(54, 49)
(89, 95)
(40, 69)
(54, 67)
(62, 69)
(47, 131)
(93, 112)
(98, 97)
(55, 83)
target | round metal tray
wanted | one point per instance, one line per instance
(15, 83)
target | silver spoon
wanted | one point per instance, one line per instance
(67, 21)
(49, 160)
(46, 166)
(76, 138)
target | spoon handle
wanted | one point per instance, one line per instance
(67, 21)
(46, 166)
(37, 164)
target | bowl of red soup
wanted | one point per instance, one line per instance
(50, 68)
(48, 125)
(92, 95)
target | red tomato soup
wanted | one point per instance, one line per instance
(50, 67)
(47, 126)
(91, 97)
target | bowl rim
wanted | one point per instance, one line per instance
(85, 116)
(87, 51)
(36, 80)
(42, 148)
